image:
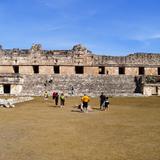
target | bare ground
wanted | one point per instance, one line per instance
(38, 130)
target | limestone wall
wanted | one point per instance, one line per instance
(6, 69)
(16, 89)
(112, 70)
(91, 71)
(110, 81)
(151, 71)
(78, 55)
(149, 90)
(131, 71)
(46, 70)
(92, 85)
(159, 91)
(67, 70)
(1, 89)
(26, 70)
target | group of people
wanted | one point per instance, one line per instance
(56, 97)
(84, 106)
(104, 103)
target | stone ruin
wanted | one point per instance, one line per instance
(10, 103)
(31, 72)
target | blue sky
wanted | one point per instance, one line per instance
(111, 27)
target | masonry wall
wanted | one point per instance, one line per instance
(26, 70)
(151, 71)
(112, 70)
(16, 89)
(1, 89)
(91, 85)
(46, 70)
(91, 71)
(67, 70)
(6, 69)
(110, 81)
(131, 71)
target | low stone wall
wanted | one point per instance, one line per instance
(8, 103)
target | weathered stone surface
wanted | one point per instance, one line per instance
(111, 85)
(10, 103)
(99, 73)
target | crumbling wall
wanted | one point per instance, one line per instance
(78, 55)
(110, 81)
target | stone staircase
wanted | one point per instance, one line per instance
(91, 85)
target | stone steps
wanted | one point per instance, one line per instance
(34, 85)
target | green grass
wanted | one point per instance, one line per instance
(37, 130)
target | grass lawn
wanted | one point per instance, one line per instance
(38, 130)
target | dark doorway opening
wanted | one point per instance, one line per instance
(16, 69)
(121, 70)
(156, 90)
(101, 70)
(56, 69)
(141, 70)
(36, 69)
(6, 88)
(79, 69)
(158, 70)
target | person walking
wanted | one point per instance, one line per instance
(104, 102)
(62, 100)
(53, 95)
(72, 90)
(85, 100)
(56, 98)
(46, 95)
(106, 106)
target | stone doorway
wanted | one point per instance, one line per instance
(7, 88)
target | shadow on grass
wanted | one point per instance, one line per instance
(54, 106)
(78, 111)
(97, 109)
(89, 111)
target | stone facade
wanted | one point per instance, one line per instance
(32, 71)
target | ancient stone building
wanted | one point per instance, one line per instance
(31, 72)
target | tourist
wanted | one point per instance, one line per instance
(56, 98)
(103, 102)
(53, 94)
(46, 95)
(62, 100)
(72, 90)
(106, 106)
(80, 106)
(85, 100)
